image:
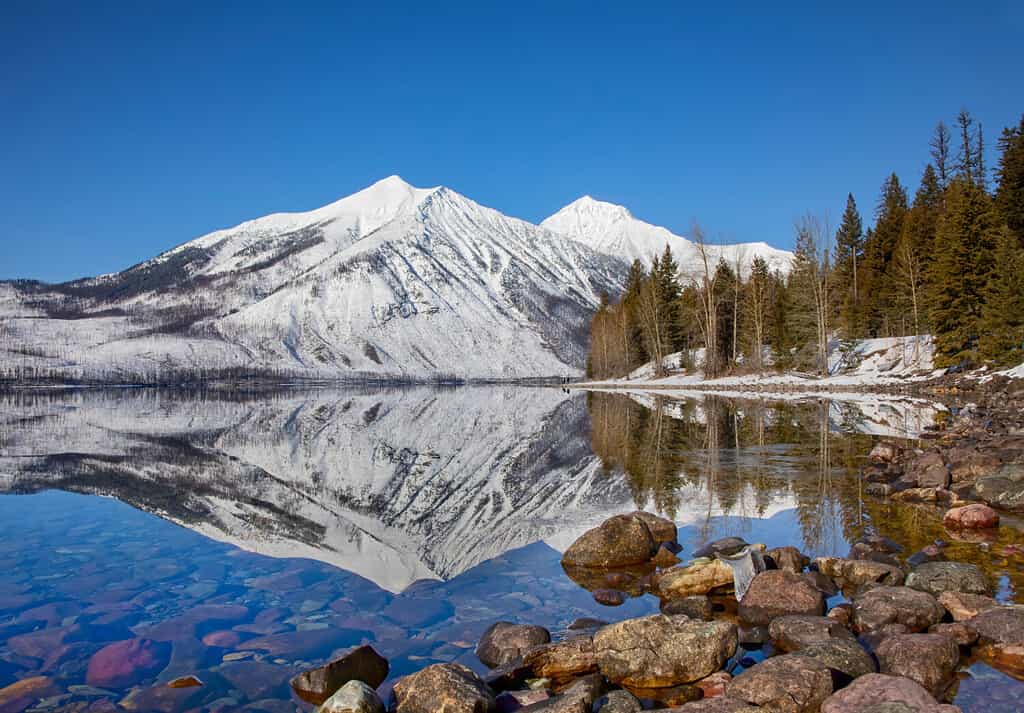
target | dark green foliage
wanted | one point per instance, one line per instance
(1010, 173)
(1001, 338)
(849, 260)
(879, 249)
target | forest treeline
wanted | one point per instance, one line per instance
(949, 262)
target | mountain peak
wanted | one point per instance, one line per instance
(589, 206)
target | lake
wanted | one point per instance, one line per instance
(247, 536)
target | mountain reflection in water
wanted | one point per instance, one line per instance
(420, 515)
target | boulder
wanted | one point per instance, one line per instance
(1004, 488)
(722, 546)
(360, 664)
(353, 697)
(504, 642)
(662, 529)
(846, 658)
(1000, 632)
(938, 577)
(776, 593)
(443, 688)
(659, 651)
(789, 558)
(511, 701)
(620, 702)
(856, 573)
(609, 597)
(843, 613)
(578, 697)
(720, 704)
(927, 471)
(971, 517)
(667, 696)
(884, 452)
(869, 692)
(785, 684)
(562, 660)
(695, 607)
(125, 663)
(963, 606)
(967, 465)
(696, 577)
(963, 635)
(665, 557)
(795, 631)
(877, 607)
(931, 553)
(928, 659)
(823, 583)
(873, 639)
(619, 541)
(714, 685)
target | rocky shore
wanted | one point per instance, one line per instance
(743, 628)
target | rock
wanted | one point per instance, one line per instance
(776, 593)
(973, 517)
(1004, 488)
(354, 697)
(660, 651)
(843, 613)
(126, 663)
(931, 553)
(879, 490)
(873, 639)
(722, 546)
(884, 452)
(938, 577)
(1001, 625)
(928, 659)
(619, 541)
(963, 606)
(721, 704)
(927, 471)
(695, 607)
(958, 631)
(661, 529)
(1008, 658)
(223, 639)
(586, 622)
(823, 583)
(795, 631)
(786, 684)
(511, 701)
(845, 657)
(20, 695)
(609, 597)
(504, 642)
(695, 577)
(714, 685)
(921, 495)
(868, 692)
(967, 465)
(880, 606)
(362, 663)
(668, 696)
(184, 682)
(856, 573)
(873, 551)
(443, 688)
(665, 558)
(789, 558)
(563, 659)
(620, 702)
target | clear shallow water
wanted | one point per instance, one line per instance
(252, 537)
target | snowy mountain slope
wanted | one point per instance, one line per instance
(612, 229)
(393, 281)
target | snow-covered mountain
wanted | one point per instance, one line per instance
(612, 229)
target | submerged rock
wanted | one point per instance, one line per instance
(787, 684)
(1000, 632)
(362, 663)
(504, 642)
(660, 651)
(125, 663)
(443, 688)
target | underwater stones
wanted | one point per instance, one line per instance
(20, 695)
(443, 688)
(184, 682)
(974, 516)
(776, 593)
(619, 541)
(504, 642)
(224, 639)
(659, 651)
(786, 684)
(125, 663)
(1000, 633)
(938, 577)
(928, 659)
(795, 631)
(362, 663)
(881, 606)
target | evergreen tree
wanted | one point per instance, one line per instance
(1001, 339)
(878, 252)
(940, 154)
(667, 275)
(1010, 174)
(966, 164)
(963, 261)
(849, 261)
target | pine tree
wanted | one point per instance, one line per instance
(966, 164)
(878, 253)
(848, 263)
(669, 290)
(1001, 339)
(964, 241)
(1010, 174)
(940, 154)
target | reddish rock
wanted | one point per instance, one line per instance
(874, 689)
(184, 682)
(20, 695)
(776, 593)
(125, 663)
(504, 642)
(928, 659)
(448, 687)
(963, 606)
(362, 663)
(956, 630)
(785, 684)
(223, 639)
(714, 685)
(971, 517)
(609, 597)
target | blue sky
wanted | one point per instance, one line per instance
(129, 128)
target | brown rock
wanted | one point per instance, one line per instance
(846, 658)
(795, 631)
(842, 613)
(20, 695)
(443, 688)
(662, 530)
(665, 558)
(928, 659)
(695, 607)
(694, 578)
(789, 558)
(786, 684)
(963, 606)
(880, 606)
(972, 517)
(660, 651)
(617, 542)
(776, 593)
(563, 659)
(668, 696)
(184, 682)
(504, 642)
(125, 663)
(719, 704)
(362, 663)
(958, 631)
(869, 691)
(609, 597)
(714, 685)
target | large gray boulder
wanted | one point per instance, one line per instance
(1004, 488)
(938, 577)
(660, 651)
(795, 631)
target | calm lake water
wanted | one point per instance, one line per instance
(250, 536)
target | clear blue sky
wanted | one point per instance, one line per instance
(129, 128)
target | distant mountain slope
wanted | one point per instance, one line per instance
(612, 229)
